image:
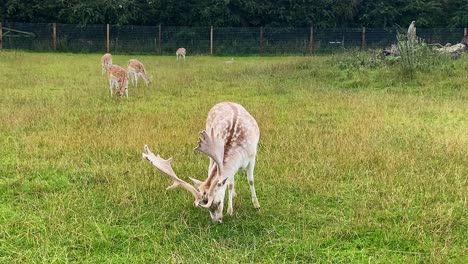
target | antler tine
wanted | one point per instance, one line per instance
(165, 167)
(213, 147)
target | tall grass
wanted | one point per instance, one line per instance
(366, 167)
(417, 55)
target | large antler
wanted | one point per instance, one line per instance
(165, 167)
(213, 146)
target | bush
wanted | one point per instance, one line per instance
(416, 55)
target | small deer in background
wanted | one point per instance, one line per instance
(118, 78)
(230, 61)
(106, 61)
(230, 141)
(181, 53)
(136, 69)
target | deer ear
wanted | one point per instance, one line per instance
(196, 182)
(222, 182)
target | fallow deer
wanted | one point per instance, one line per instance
(230, 141)
(106, 61)
(136, 69)
(118, 78)
(181, 53)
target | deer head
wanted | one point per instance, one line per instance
(208, 194)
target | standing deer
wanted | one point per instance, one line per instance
(136, 69)
(230, 141)
(118, 78)
(181, 53)
(106, 61)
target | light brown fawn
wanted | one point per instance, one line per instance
(136, 69)
(118, 78)
(181, 53)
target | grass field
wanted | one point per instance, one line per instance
(353, 166)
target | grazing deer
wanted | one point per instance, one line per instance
(181, 53)
(136, 69)
(118, 78)
(230, 141)
(106, 61)
(230, 61)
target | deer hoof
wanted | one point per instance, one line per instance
(255, 203)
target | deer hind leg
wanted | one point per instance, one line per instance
(130, 76)
(125, 84)
(111, 84)
(232, 194)
(250, 179)
(135, 78)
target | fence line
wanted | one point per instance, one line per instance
(1, 36)
(205, 40)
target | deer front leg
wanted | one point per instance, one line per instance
(250, 179)
(232, 193)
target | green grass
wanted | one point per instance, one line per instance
(353, 166)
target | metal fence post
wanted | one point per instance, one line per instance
(108, 39)
(261, 40)
(211, 40)
(54, 35)
(363, 42)
(1, 36)
(159, 38)
(311, 45)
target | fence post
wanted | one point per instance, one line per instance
(261, 40)
(311, 46)
(363, 43)
(465, 32)
(159, 39)
(54, 35)
(211, 40)
(1, 36)
(108, 39)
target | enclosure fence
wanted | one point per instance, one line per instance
(205, 40)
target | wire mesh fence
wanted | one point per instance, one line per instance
(74, 38)
(205, 40)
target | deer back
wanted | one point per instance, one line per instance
(237, 128)
(181, 51)
(136, 65)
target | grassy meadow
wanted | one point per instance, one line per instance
(354, 166)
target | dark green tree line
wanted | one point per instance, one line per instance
(321, 13)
